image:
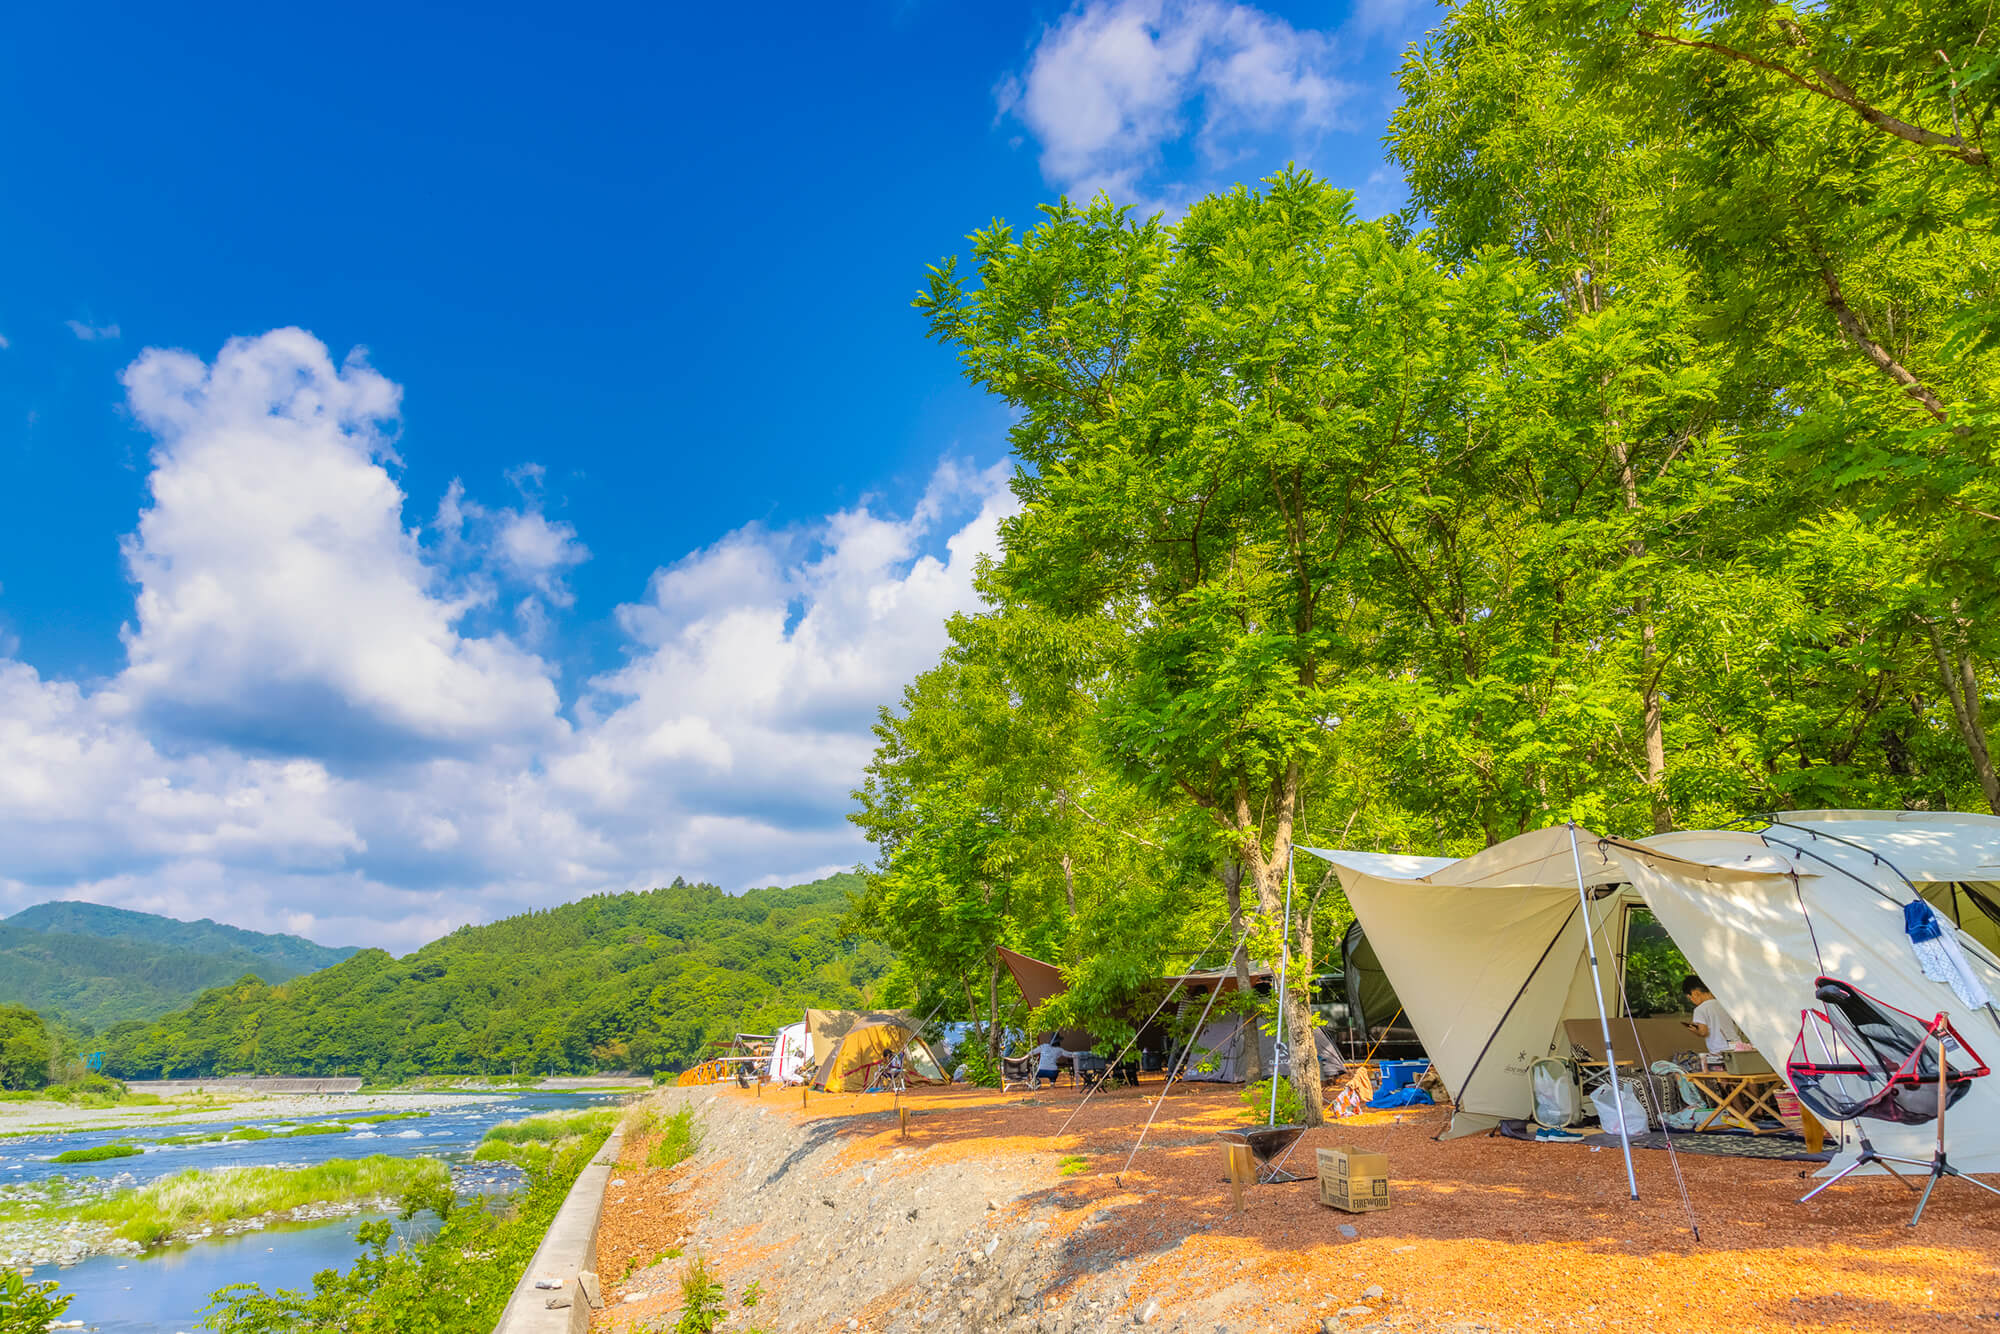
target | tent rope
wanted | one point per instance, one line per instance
(1646, 1067)
(1179, 982)
(1161, 1101)
(1385, 1035)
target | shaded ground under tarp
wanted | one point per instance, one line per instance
(1785, 1148)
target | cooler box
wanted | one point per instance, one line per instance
(1401, 1074)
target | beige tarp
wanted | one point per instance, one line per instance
(1488, 955)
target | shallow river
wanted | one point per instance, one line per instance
(164, 1291)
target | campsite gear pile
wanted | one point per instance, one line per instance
(1353, 1181)
(1490, 954)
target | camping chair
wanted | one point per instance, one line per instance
(1018, 1072)
(1876, 1063)
(1090, 1068)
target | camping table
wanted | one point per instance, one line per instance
(1739, 1098)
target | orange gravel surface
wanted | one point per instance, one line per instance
(1482, 1232)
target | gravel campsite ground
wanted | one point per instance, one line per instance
(987, 1218)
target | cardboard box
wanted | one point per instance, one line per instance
(1353, 1181)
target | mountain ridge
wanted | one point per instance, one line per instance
(91, 965)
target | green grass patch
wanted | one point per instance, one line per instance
(189, 1201)
(100, 1153)
(680, 1139)
(535, 1143)
(1072, 1163)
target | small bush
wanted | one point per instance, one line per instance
(1257, 1102)
(680, 1139)
(702, 1307)
(29, 1306)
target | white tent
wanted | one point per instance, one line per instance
(791, 1054)
(1488, 954)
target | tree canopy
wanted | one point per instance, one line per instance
(1639, 473)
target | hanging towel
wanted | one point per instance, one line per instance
(1937, 951)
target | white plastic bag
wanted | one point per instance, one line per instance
(1610, 1098)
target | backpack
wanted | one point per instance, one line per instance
(1558, 1093)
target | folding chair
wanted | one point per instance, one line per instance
(1017, 1072)
(1877, 1063)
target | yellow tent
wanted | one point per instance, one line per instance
(852, 1063)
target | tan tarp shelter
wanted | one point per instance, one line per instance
(851, 1062)
(1488, 953)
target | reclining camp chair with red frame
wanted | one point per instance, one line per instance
(1875, 1062)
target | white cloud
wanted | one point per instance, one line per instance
(92, 333)
(308, 737)
(4, 344)
(1114, 84)
(282, 605)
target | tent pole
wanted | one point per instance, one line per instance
(1597, 985)
(1284, 957)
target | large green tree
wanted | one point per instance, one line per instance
(1226, 428)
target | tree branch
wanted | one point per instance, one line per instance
(1834, 90)
(1855, 328)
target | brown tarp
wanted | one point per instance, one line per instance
(1039, 982)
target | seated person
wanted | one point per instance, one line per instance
(1046, 1057)
(1711, 1022)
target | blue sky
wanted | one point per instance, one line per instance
(455, 461)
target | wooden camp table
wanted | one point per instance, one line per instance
(1739, 1099)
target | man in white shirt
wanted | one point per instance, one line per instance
(1045, 1061)
(1711, 1022)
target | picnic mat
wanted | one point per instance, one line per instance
(1788, 1148)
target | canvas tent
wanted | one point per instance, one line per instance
(853, 1060)
(1489, 957)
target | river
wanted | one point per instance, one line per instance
(164, 1291)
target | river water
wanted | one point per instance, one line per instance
(164, 1291)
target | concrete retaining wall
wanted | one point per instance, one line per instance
(569, 1248)
(168, 1088)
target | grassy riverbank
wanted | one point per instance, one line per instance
(458, 1282)
(195, 1201)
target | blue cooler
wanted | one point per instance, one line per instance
(1400, 1074)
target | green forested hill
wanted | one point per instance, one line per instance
(617, 981)
(89, 965)
(289, 955)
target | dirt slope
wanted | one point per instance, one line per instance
(985, 1219)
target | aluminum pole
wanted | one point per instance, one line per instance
(1284, 957)
(1597, 985)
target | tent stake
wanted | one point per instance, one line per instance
(1597, 985)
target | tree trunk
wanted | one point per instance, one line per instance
(1069, 884)
(1961, 686)
(1649, 672)
(1232, 890)
(1268, 873)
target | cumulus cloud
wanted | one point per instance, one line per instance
(307, 736)
(282, 605)
(1115, 83)
(91, 333)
